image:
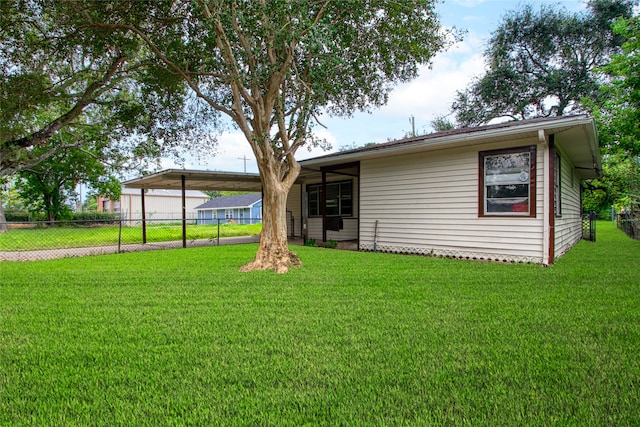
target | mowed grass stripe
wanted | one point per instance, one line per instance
(180, 337)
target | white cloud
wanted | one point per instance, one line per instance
(231, 151)
(233, 148)
(469, 3)
(433, 92)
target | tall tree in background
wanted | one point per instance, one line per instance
(55, 76)
(49, 186)
(620, 114)
(273, 66)
(542, 63)
(618, 121)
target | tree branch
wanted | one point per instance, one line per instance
(93, 91)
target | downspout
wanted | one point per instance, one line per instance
(546, 232)
(552, 199)
(324, 205)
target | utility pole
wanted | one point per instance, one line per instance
(244, 157)
(413, 126)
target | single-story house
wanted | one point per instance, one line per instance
(509, 191)
(159, 203)
(241, 209)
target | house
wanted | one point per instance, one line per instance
(241, 209)
(158, 203)
(508, 192)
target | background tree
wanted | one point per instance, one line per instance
(49, 186)
(442, 123)
(56, 76)
(619, 125)
(543, 63)
(272, 67)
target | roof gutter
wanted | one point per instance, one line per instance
(448, 141)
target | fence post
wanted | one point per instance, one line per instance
(144, 217)
(120, 235)
(218, 231)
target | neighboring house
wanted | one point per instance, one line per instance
(241, 209)
(158, 204)
(508, 192)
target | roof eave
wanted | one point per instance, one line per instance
(429, 143)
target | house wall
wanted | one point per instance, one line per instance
(239, 215)
(256, 213)
(427, 203)
(159, 206)
(568, 227)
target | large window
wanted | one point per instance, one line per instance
(508, 182)
(339, 199)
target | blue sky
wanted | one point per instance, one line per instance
(426, 97)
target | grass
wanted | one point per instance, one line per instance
(78, 237)
(181, 338)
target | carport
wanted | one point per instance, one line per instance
(182, 179)
(185, 179)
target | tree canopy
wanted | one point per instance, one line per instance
(543, 63)
(618, 121)
(64, 86)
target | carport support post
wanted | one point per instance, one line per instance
(184, 212)
(144, 217)
(324, 205)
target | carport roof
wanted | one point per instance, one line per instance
(198, 180)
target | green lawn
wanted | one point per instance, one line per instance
(80, 237)
(179, 337)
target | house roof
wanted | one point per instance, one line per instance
(231, 202)
(576, 135)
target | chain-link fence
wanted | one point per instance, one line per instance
(629, 222)
(47, 240)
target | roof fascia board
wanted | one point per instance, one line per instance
(450, 141)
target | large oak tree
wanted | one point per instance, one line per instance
(273, 66)
(542, 62)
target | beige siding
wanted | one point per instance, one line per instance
(568, 227)
(428, 203)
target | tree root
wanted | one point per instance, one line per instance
(278, 262)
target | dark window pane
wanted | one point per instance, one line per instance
(505, 191)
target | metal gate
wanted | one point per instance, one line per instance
(589, 226)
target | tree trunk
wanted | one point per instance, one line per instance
(3, 221)
(273, 252)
